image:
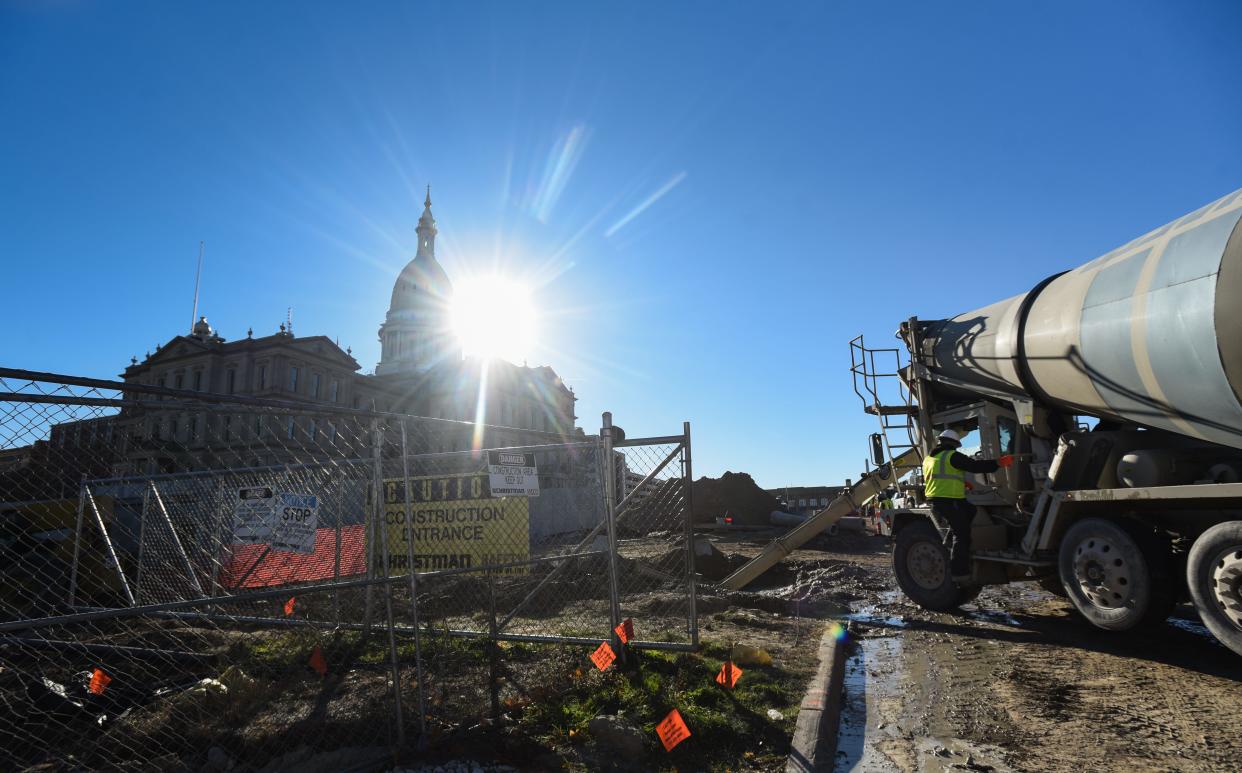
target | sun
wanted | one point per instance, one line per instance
(494, 317)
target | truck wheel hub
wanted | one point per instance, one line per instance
(1102, 573)
(1227, 584)
(926, 564)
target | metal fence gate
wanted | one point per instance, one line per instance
(255, 601)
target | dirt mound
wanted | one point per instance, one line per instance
(656, 508)
(735, 494)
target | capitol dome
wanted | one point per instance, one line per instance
(415, 334)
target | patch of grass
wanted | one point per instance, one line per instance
(726, 726)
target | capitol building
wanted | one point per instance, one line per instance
(421, 372)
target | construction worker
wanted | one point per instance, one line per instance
(944, 483)
(883, 501)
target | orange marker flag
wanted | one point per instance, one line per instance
(99, 682)
(672, 730)
(289, 605)
(317, 662)
(603, 656)
(625, 630)
(729, 674)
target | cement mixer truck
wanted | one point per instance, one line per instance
(1117, 386)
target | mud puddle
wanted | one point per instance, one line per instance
(1195, 627)
(890, 721)
(859, 729)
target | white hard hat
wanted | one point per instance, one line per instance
(949, 434)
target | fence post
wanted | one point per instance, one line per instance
(410, 570)
(336, 558)
(371, 517)
(382, 528)
(610, 498)
(215, 546)
(493, 646)
(687, 478)
(142, 540)
(77, 544)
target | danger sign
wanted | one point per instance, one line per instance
(455, 523)
(252, 515)
(512, 473)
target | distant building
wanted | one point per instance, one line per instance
(421, 372)
(805, 500)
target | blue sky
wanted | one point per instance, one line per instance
(712, 198)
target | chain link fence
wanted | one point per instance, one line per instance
(197, 579)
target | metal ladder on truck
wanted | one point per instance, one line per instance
(876, 374)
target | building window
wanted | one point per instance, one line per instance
(230, 380)
(293, 379)
(262, 377)
(333, 389)
(801, 503)
(311, 429)
(159, 382)
(228, 426)
(178, 381)
(314, 385)
(258, 426)
(198, 381)
(290, 427)
(331, 433)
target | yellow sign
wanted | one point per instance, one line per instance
(454, 524)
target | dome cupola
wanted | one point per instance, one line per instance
(415, 333)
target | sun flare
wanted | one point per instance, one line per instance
(494, 317)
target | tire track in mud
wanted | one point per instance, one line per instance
(1078, 707)
(1015, 682)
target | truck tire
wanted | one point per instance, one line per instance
(921, 564)
(1116, 573)
(1214, 574)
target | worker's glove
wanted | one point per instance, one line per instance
(1005, 461)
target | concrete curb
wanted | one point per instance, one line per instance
(814, 744)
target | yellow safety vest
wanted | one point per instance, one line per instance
(886, 504)
(941, 480)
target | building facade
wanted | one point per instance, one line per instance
(805, 500)
(421, 372)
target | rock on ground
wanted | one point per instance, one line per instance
(618, 734)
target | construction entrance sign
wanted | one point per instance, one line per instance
(455, 523)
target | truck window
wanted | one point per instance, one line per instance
(972, 444)
(1007, 434)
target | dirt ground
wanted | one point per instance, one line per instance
(1011, 682)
